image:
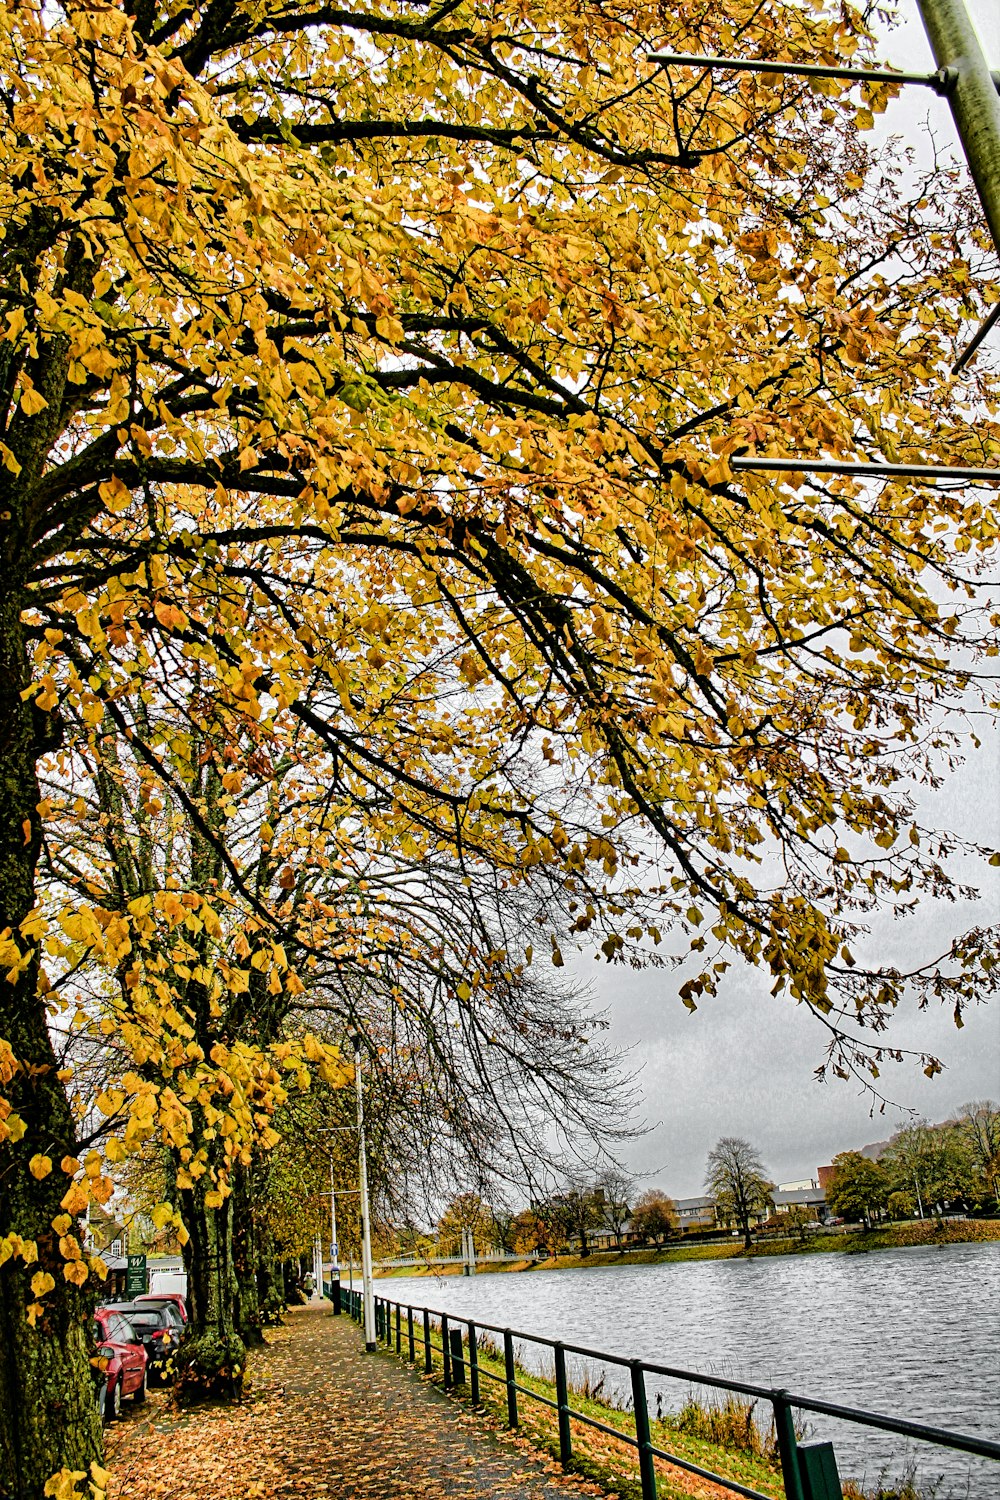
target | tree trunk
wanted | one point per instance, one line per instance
(247, 1255)
(48, 1414)
(213, 1355)
(270, 1283)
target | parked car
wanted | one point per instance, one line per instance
(121, 1362)
(160, 1328)
(157, 1299)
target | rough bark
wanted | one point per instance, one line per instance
(247, 1250)
(213, 1355)
(48, 1416)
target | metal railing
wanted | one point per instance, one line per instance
(809, 1471)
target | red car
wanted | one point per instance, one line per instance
(160, 1297)
(121, 1362)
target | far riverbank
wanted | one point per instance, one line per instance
(854, 1242)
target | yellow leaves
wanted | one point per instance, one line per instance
(115, 495)
(74, 1200)
(76, 1272)
(162, 1214)
(13, 1247)
(32, 402)
(66, 1484)
(41, 1283)
(12, 1127)
(39, 1167)
(62, 1224)
(169, 616)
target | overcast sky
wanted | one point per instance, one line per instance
(743, 1063)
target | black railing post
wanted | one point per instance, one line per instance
(562, 1402)
(445, 1349)
(378, 1317)
(457, 1361)
(399, 1337)
(428, 1356)
(410, 1347)
(647, 1468)
(510, 1374)
(473, 1366)
(788, 1447)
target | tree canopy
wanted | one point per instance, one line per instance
(736, 1178)
(370, 379)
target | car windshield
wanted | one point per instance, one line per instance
(169, 1309)
(145, 1320)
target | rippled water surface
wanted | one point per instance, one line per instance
(908, 1333)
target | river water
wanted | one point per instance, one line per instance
(911, 1333)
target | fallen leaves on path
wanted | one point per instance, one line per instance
(323, 1418)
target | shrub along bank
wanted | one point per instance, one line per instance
(852, 1242)
(726, 1435)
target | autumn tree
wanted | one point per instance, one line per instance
(618, 1188)
(934, 1162)
(466, 1212)
(737, 1181)
(654, 1217)
(580, 1206)
(387, 364)
(979, 1121)
(858, 1189)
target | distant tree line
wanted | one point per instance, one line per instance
(925, 1170)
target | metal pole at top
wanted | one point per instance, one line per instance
(366, 1233)
(973, 97)
(334, 1251)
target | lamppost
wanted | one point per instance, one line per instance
(334, 1254)
(366, 1234)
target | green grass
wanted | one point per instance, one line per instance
(608, 1463)
(726, 1435)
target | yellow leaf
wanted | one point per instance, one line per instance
(32, 403)
(39, 1166)
(75, 1200)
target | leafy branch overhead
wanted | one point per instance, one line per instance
(379, 603)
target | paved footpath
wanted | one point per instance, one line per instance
(323, 1418)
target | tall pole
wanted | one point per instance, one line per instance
(366, 1233)
(920, 1201)
(334, 1253)
(972, 95)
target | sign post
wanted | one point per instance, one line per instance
(135, 1277)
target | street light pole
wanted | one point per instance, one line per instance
(973, 97)
(366, 1234)
(334, 1252)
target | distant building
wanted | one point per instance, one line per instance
(801, 1186)
(695, 1213)
(104, 1232)
(812, 1199)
